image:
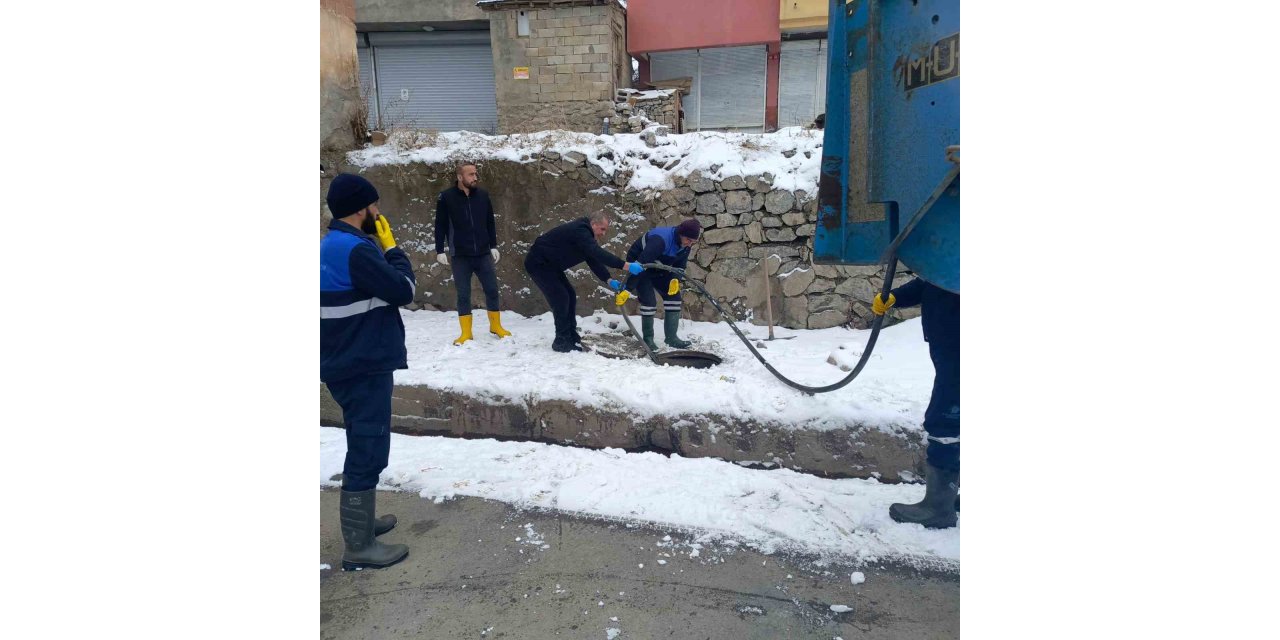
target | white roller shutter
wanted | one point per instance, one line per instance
(732, 88)
(728, 85)
(669, 65)
(442, 82)
(802, 82)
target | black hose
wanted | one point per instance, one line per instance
(890, 267)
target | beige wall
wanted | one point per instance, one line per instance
(340, 102)
(802, 15)
(575, 57)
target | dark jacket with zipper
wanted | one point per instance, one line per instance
(569, 245)
(464, 222)
(361, 292)
(939, 317)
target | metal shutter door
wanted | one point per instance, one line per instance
(802, 82)
(731, 88)
(446, 87)
(366, 84)
(669, 65)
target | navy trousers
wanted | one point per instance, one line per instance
(942, 418)
(463, 268)
(366, 413)
(646, 284)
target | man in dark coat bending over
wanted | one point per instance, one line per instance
(565, 246)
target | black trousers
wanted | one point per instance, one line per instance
(366, 413)
(463, 268)
(942, 418)
(649, 282)
(560, 295)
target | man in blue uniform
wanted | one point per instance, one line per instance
(940, 319)
(669, 246)
(364, 280)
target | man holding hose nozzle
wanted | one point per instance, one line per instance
(669, 246)
(940, 319)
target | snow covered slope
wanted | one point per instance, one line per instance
(891, 393)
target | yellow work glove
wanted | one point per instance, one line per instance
(879, 306)
(385, 238)
(674, 287)
(622, 297)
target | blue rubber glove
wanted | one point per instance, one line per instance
(635, 268)
(615, 285)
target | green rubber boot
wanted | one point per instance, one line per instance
(646, 328)
(671, 322)
(363, 551)
(938, 509)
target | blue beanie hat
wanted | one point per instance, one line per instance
(349, 193)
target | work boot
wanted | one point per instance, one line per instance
(938, 508)
(671, 322)
(495, 325)
(465, 323)
(358, 530)
(562, 344)
(388, 522)
(646, 328)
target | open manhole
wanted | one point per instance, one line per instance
(692, 359)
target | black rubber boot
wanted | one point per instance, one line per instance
(671, 322)
(646, 328)
(358, 524)
(938, 509)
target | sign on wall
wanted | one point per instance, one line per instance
(520, 73)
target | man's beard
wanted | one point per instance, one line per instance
(368, 225)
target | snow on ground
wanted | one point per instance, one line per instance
(772, 511)
(890, 394)
(733, 154)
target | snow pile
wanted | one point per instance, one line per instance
(772, 511)
(891, 393)
(792, 154)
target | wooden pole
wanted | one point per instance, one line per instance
(768, 297)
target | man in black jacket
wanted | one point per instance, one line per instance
(567, 246)
(464, 226)
(940, 319)
(364, 280)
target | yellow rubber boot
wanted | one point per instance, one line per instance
(465, 323)
(495, 325)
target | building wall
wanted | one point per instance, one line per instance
(575, 56)
(340, 103)
(671, 25)
(802, 15)
(381, 11)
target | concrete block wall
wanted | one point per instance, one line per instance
(575, 56)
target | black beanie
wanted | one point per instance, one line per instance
(689, 229)
(349, 193)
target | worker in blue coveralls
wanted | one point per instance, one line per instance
(364, 280)
(940, 319)
(669, 246)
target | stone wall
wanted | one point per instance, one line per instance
(751, 229)
(638, 110)
(575, 54)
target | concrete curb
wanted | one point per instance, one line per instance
(843, 453)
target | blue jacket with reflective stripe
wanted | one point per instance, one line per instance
(659, 245)
(361, 292)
